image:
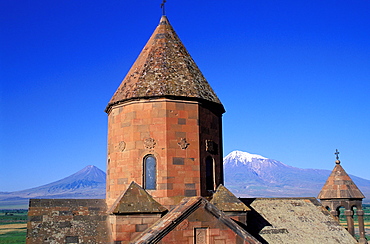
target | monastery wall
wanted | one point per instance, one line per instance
(67, 221)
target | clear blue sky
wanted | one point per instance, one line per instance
(294, 77)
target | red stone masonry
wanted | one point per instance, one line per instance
(164, 107)
(127, 227)
(195, 220)
(174, 131)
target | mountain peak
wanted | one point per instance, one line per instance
(88, 169)
(242, 156)
(251, 175)
(87, 183)
(89, 177)
(257, 164)
(90, 173)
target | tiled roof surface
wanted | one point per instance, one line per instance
(339, 185)
(294, 220)
(164, 68)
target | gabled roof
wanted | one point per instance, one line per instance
(340, 185)
(135, 200)
(164, 68)
(294, 220)
(224, 200)
(177, 215)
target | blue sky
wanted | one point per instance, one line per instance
(294, 77)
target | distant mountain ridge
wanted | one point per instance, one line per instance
(246, 175)
(252, 175)
(88, 183)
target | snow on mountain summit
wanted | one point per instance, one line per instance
(255, 163)
(242, 156)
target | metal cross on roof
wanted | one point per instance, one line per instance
(163, 7)
(337, 153)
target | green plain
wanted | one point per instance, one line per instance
(13, 217)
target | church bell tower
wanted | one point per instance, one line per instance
(164, 125)
(340, 191)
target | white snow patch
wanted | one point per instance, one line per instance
(242, 156)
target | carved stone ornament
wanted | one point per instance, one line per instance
(183, 225)
(183, 143)
(149, 143)
(201, 235)
(121, 146)
(211, 147)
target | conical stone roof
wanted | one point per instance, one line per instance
(164, 68)
(340, 185)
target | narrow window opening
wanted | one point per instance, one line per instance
(210, 174)
(150, 172)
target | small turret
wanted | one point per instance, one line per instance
(340, 191)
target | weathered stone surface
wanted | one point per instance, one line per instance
(224, 200)
(164, 68)
(136, 200)
(67, 221)
(293, 220)
(195, 216)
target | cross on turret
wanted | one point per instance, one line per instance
(337, 156)
(163, 7)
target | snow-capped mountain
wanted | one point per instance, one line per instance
(86, 183)
(252, 175)
(256, 163)
(242, 157)
(246, 175)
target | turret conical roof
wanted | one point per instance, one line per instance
(340, 185)
(164, 68)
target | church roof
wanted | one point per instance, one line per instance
(185, 210)
(136, 200)
(224, 200)
(293, 220)
(340, 185)
(164, 68)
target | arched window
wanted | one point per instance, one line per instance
(210, 174)
(341, 216)
(150, 172)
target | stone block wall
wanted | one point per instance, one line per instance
(202, 227)
(170, 131)
(125, 228)
(210, 138)
(67, 221)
